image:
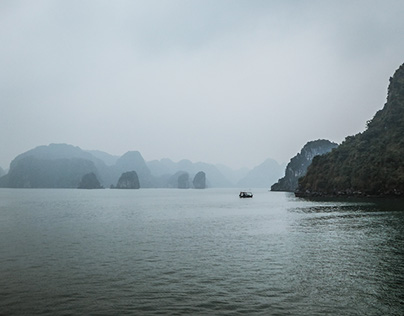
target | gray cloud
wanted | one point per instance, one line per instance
(233, 82)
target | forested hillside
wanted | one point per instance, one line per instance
(297, 167)
(369, 163)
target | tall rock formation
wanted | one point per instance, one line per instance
(199, 181)
(52, 166)
(369, 163)
(89, 181)
(31, 172)
(164, 168)
(297, 167)
(133, 160)
(128, 180)
(183, 181)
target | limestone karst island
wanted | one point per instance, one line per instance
(369, 163)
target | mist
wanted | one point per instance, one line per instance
(231, 82)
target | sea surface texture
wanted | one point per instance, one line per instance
(197, 252)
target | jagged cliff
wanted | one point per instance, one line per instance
(297, 167)
(369, 163)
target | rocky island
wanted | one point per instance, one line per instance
(199, 181)
(89, 181)
(367, 164)
(297, 167)
(128, 180)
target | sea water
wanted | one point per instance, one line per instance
(197, 252)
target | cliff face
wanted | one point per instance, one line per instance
(128, 180)
(297, 167)
(369, 163)
(133, 160)
(52, 166)
(183, 181)
(199, 181)
(89, 181)
(32, 172)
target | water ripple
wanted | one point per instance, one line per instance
(196, 253)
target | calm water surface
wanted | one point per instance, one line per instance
(197, 252)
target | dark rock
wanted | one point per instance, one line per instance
(32, 172)
(371, 162)
(297, 167)
(52, 166)
(128, 180)
(199, 181)
(89, 181)
(133, 160)
(183, 181)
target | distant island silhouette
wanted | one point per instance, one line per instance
(370, 163)
(68, 166)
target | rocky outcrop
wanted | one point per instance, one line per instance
(183, 181)
(367, 164)
(128, 180)
(133, 160)
(297, 167)
(164, 168)
(52, 166)
(32, 172)
(89, 181)
(199, 181)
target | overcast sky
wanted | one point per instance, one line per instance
(233, 82)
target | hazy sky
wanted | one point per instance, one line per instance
(233, 82)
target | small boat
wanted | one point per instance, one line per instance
(244, 194)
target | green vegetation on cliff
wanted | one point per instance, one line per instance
(369, 163)
(297, 167)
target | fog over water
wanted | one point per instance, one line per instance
(232, 82)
